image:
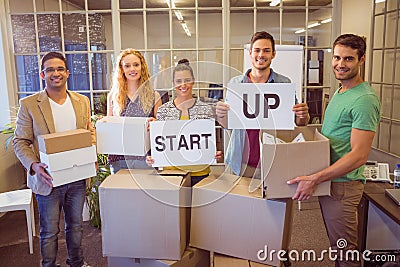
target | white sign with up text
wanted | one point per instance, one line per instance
(182, 142)
(261, 105)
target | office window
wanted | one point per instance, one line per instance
(302, 22)
(384, 74)
(80, 29)
(210, 33)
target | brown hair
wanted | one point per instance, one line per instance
(183, 64)
(262, 35)
(351, 40)
(119, 86)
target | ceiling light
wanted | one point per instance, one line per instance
(178, 14)
(275, 2)
(172, 3)
(312, 25)
(326, 20)
(185, 28)
(379, 1)
(300, 31)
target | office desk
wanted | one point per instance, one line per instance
(379, 219)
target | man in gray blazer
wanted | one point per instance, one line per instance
(55, 109)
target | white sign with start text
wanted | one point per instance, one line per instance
(182, 142)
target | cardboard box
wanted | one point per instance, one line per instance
(220, 260)
(227, 261)
(228, 219)
(122, 136)
(282, 162)
(64, 141)
(144, 215)
(192, 257)
(70, 166)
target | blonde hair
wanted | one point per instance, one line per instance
(119, 87)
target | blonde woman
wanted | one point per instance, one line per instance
(131, 95)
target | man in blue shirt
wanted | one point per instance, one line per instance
(243, 151)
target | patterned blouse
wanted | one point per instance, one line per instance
(199, 110)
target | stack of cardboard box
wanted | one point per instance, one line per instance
(69, 155)
(146, 217)
(234, 215)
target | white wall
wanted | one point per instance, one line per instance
(356, 18)
(4, 101)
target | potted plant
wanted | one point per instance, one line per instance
(92, 191)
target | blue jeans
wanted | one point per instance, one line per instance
(128, 164)
(70, 198)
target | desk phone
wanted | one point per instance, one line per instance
(375, 171)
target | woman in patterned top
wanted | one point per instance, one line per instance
(131, 95)
(185, 107)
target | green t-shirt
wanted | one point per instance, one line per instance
(358, 108)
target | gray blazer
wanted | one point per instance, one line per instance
(35, 118)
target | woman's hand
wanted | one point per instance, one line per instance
(149, 160)
(150, 119)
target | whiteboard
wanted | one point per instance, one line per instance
(288, 61)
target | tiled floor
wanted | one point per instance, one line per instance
(308, 232)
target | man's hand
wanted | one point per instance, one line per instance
(221, 111)
(218, 155)
(40, 170)
(305, 187)
(301, 112)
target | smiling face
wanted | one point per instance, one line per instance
(131, 67)
(55, 74)
(183, 82)
(345, 63)
(262, 54)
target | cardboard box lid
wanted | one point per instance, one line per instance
(121, 120)
(154, 172)
(217, 186)
(68, 159)
(310, 133)
(64, 141)
(256, 264)
(191, 257)
(129, 180)
(171, 190)
(227, 261)
(222, 183)
(248, 187)
(147, 178)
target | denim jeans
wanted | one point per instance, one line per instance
(70, 198)
(128, 164)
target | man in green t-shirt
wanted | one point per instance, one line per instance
(350, 122)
